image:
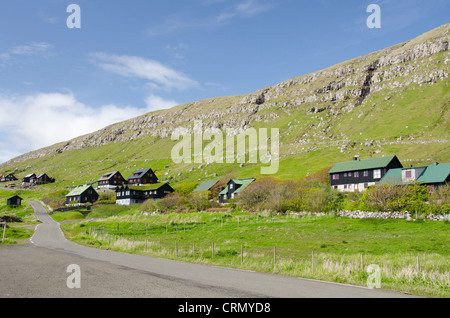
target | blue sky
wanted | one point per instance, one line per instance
(131, 57)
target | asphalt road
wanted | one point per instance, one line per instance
(38, 269)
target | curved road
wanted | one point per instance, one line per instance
(39, 269)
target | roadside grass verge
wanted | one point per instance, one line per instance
(412, 256)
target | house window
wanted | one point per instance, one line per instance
(345, 175)
(356, 174)
(377, 174)
(231, 186)
(345, 186)
(366, 173)
(336, 176)
(408, 174)
(349, 174)
(366, 185)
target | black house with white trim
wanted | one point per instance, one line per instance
(358, 175)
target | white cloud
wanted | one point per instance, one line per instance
(36, 121)
(245, 9)
(156, 74)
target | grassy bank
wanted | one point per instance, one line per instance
(413, 256)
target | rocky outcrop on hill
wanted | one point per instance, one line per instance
(340, 89)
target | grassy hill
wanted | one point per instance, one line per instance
(394, 101)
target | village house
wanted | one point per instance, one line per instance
(142, 176)
(82, 194)
(233, 188)
(434, 176)
(14, 200)
(111, 180)
(358, 175)
(28, 179)
(129, 194)
(44, 179)
(8, 178)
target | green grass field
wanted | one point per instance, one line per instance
(413, 255)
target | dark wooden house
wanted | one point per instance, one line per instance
(8, 178)
(233, 188)
(14, 200)
(111, 180)
(128, 194)
(358, 175)
(44, 179)
(82, 194)
(142, 176)
(31, 178)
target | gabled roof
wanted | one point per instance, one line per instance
(205, 186)
(14, 196)
(435, 173)
(139, 173)
(364, 164)
(78, 190)
(107, 176)
(244, 183)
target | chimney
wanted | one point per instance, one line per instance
(356, 158)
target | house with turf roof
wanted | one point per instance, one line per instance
(233, 188)
(359, 174)
(81, 195)
(434, 176)
(129, 194)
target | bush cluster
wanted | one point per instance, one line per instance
(272, 194)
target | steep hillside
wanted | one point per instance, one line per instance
(394, 101)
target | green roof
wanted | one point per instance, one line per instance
(205, 186)
(243, 182)
(78, 190)
(364, 164)
(435, 173)
(393, 176)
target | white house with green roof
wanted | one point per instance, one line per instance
(359, 174)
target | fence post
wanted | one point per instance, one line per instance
(274, 256)
(213, 250)
(312, 262)
(176, 248)
(362, 262)
(4, 231)
(418, 264)
(193, 248)
(146, 228)
(242, 254)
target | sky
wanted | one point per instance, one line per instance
(67, 71)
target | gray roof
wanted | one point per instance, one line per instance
(205, 186)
